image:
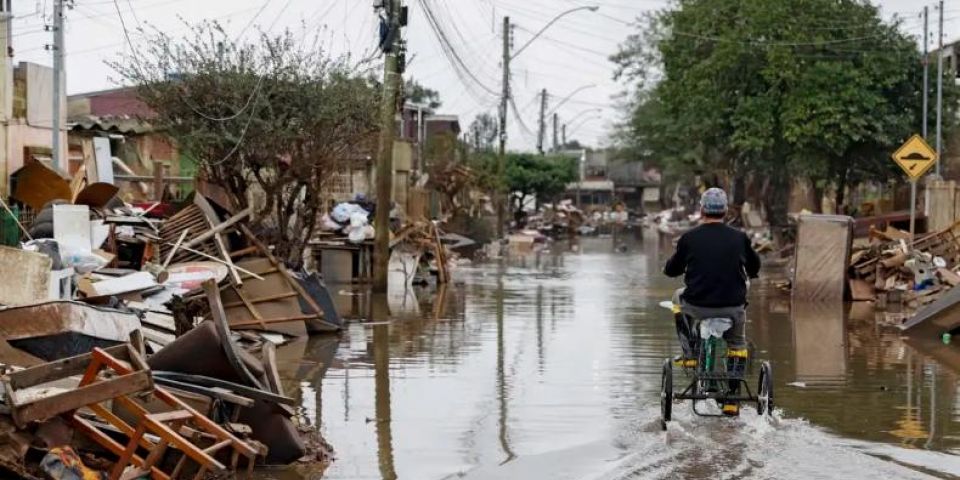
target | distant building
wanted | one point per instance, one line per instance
(136, 146)
(26, 104)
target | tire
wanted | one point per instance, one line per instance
(765, 390)
(666, 394)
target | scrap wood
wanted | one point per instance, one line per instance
(286, 273)
(221, 227)
(210, 382)
(223, 331)
(38, 185)
(215, 259)
(176, 246)
(27, 407)
(156, 425)
(949, 276)
(443, 275)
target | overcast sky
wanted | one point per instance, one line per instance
(571, 55)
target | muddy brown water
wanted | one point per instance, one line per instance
(548, 367)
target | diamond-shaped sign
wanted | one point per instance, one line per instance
(915, 157)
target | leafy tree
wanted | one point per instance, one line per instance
(777, 89)
(271, 121)
(538, 176)
(419, 94)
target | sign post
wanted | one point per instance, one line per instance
(915, 157)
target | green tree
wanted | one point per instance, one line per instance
(272, 121)
(777, 89)
(541, 177)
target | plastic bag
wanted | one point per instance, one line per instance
(714, 327)
(327, 224)
(81, 261)
(342, 212)
(359, 220)
(358, 235)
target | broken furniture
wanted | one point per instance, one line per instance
(197, 437)
(45, 391)
(269, 417)
(822, 256)
(61, 329)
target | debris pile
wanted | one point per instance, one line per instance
(891, 270)
(133, 345)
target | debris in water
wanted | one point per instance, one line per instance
(797, 384)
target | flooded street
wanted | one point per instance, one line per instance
(549, 368)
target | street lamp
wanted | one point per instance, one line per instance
(568, 97)
(583, 122)
(505, 98)
(592, 8)
(581, 113)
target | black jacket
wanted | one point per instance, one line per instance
(715, 261)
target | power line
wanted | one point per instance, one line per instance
(459, 66)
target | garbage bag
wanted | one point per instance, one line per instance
(357, 235)
(342, 212)
(359, 220)
(327, 224)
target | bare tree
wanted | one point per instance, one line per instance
(270, 120)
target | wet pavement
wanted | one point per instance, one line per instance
(549, 368)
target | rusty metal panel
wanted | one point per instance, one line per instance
(58, 317)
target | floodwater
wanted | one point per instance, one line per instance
(548, 367)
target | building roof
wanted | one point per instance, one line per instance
(442, 118)
(98, 93)
(122, 124)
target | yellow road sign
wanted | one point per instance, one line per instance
(915, 157)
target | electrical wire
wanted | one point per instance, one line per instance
(466, 75)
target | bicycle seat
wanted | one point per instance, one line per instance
(714, 327)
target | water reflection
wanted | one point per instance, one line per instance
(575, 340)
(381, 362)
(504, 434)
(819, 342)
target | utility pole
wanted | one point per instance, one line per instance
(940, 92)
(504, 98)
(388, 112)
(556, 122)
(564, 132)
(58, 75)
(542, 133)
(926, 70)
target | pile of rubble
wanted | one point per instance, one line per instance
(142, 346)
(891, 270)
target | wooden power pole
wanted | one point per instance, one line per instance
(388, 112)
(504, 98)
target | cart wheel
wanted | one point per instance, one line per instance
(666, 393)
(765, 390)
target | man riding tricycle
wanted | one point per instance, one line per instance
(716, 262)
